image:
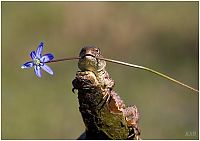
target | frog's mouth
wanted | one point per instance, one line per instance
(88, 55)
(88, 59)
(90, 62)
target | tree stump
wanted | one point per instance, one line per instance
(104, 113)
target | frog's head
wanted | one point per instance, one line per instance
(89, 61)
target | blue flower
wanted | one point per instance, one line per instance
(38, 61)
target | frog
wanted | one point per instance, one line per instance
(89, 62)
(92, 81)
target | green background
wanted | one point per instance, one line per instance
(159, 35)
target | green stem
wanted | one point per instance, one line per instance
(64, 59)
(150, 70)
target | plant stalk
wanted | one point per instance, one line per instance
(64, 59)
(150, 70)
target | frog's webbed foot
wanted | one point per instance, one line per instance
(109, 83)
(85, 80)
(82, 84)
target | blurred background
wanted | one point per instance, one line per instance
(159, 35)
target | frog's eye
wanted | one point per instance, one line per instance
(97, 50)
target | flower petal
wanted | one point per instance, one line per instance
(27, 65)
(37, 71)
(39, 50)
(47, 69)
(33, 55)
(47, 57)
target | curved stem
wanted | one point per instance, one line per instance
(64, 59)
(150, 70)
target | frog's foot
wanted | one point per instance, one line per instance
(109, 83)
(84, 81)
(84, 85)
(82, 73)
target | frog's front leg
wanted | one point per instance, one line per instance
(85, 80)
(106, 81)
